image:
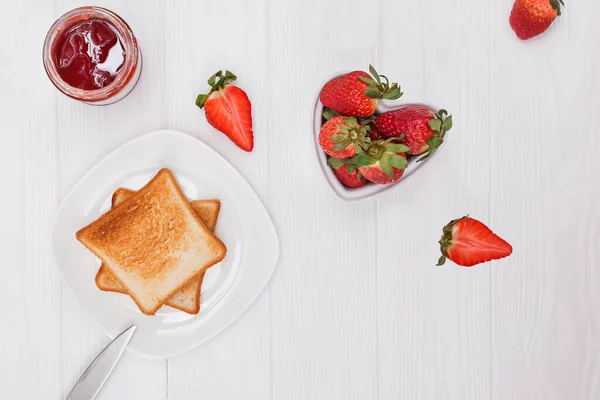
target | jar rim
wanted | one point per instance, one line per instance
(127, 72)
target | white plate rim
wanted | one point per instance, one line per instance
(267, 269)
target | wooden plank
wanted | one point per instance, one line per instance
(545, 201)
(201, 38)
(30, 291)
(434, 323)
(324, 294)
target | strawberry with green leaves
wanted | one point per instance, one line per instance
(357, 93)
(343, 137)
(423, 130)
(530, 18)
(228, 109)
(384, 161)
(347, 172)
(468, 242)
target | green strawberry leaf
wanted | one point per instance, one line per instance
(363, 160)
(368, 81)
(364, 145)
(386, 166)
(351, 122)
(447, 124)
(441, 261)
(357, 148)
(343, 145)
(556, 5)
(435, 124)
(372, 92)
(201, 99)
(230, 76)
(338, 137)
(434, 142)
(398, 148)
(335, 163)
(344, 128)
(328, 113)
(374, 73)
(398, 162)
(213, 79)
(393, 94)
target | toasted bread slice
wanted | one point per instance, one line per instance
(186, 299)
(154, 243)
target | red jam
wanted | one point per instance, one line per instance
(89, 55)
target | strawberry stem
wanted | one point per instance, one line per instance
(441, 124)
(378, 89)
(224, 79)
(556, 5)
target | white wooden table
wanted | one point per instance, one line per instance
(356, 308)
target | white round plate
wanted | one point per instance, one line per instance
(369, 191)
(228, 288)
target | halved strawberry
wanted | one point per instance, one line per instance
(347, 172)
(468, 242)
(357, 93)
(384, 162)
(228, 109)
(343, 137)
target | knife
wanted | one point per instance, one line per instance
(96, 375)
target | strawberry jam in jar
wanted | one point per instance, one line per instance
(90, 54)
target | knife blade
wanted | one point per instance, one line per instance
(95, 376)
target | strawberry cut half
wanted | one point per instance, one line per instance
(468, 242)
(228, 110)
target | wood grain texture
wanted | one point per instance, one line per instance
(434, 322)
(324, 293)
(201, 38)
(356, 308)
(30, 342)
(545, 200)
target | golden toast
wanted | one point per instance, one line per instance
(186, 299)
(153, 242)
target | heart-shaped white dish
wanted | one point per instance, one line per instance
(369, 191)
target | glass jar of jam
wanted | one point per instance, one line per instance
(91, 54)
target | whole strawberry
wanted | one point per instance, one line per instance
(347, 172)
(357, 93)
(423, 130)
(468, 242)
(529, 18)
(384, 162)
(228, 109)
(343, 137)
